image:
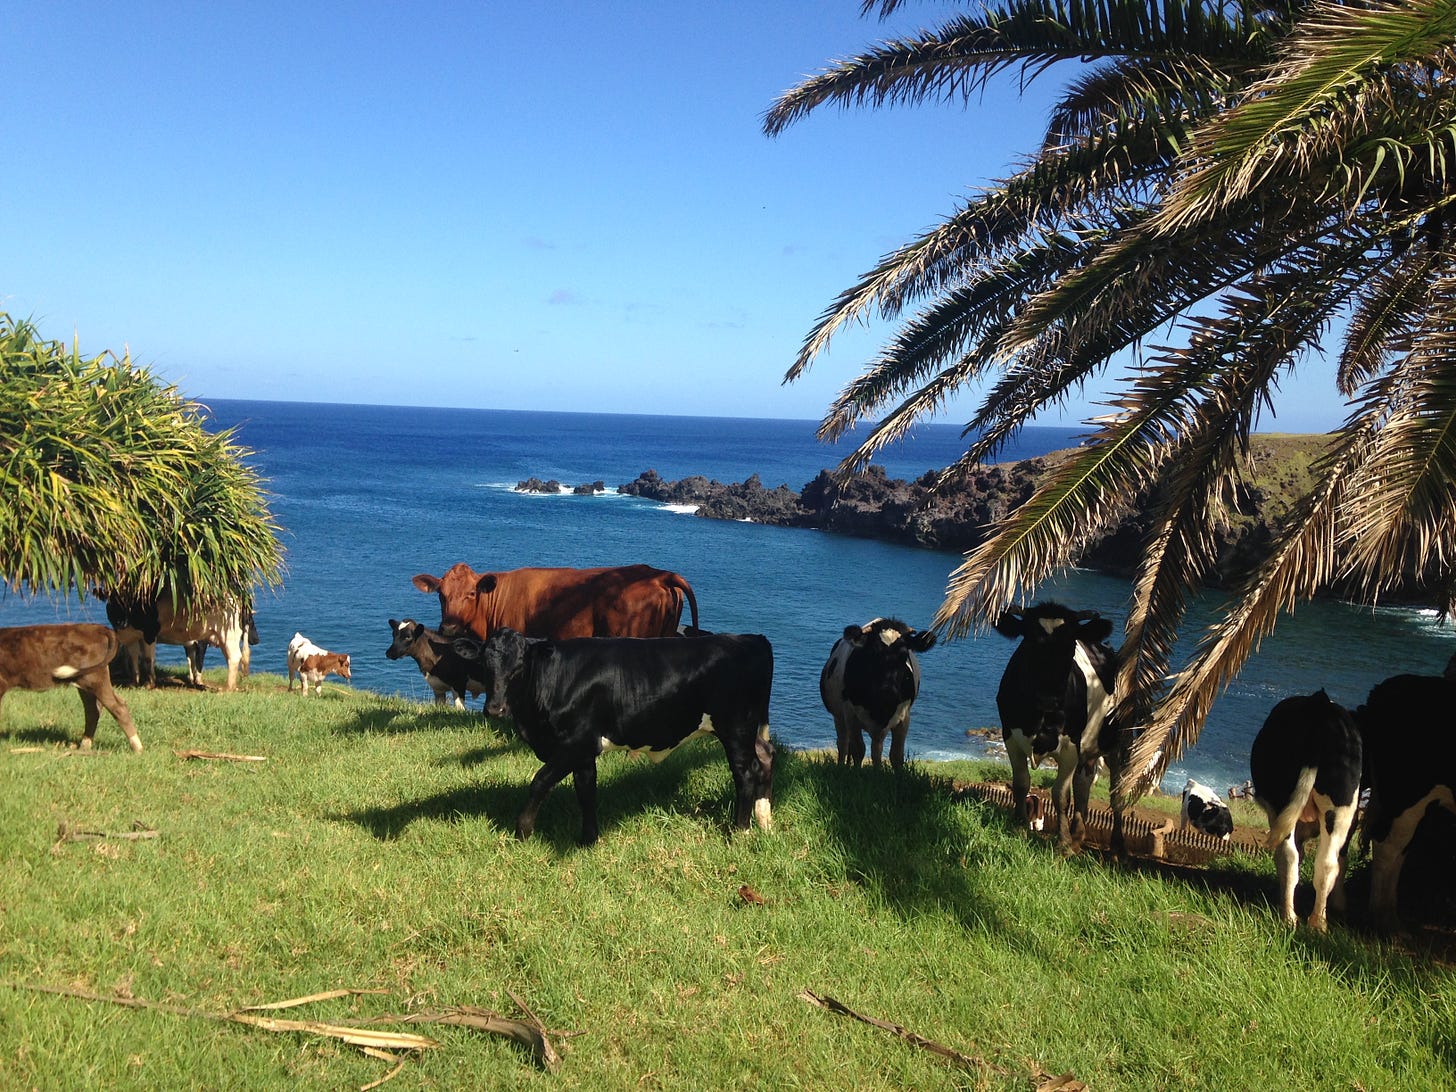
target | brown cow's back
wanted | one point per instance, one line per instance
(621, 601)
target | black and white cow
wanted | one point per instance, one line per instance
(1205, 811)
(573, 699)
(1305, 765)
(868, 685)
(1055, 699)
(1408, 725)
(446, 672)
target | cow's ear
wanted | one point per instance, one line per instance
(1095, 629)
(427, 583)
(1010, 624)
(393, 624)
(853, 634)
(486, 583)
(920, 642)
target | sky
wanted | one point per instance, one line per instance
(508, 205)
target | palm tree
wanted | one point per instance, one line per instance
(1234, 180)
(108, 479)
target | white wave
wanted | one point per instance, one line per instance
(679, 509)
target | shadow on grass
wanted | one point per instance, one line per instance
(395, 720)
(625, 787)
(36, 735)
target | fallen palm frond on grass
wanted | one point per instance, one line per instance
(220, 756)
(530, 1033)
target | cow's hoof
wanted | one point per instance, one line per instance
(85, 743)
(136, 744)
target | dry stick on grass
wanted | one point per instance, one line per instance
(1042, 1081)
(221, 756)
(531, 1034)
(360, 1037)
(139, 832)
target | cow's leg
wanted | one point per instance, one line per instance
(1286, 869)
(1018, 751)
(546, 779)
(1387, 856)
(234, 663)
(195, 652)
(877, 742)
(1329, 865)
(584, 780)
(93, 716)
(101, 691)
(897, 745)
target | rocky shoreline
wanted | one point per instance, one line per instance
(954, 514)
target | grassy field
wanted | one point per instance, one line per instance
(371, 850)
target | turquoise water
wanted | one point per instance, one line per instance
(371, 495)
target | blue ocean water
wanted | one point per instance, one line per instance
(371, 495)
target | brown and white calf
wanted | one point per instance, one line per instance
(314, 668)
(79, 653)
(299, 649)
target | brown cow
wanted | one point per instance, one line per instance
(629, 601)
(79, 653)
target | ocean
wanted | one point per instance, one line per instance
(368, 496)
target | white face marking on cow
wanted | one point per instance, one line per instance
(1099, 701)
(763, 813)
(889, 636)
(1050, 625)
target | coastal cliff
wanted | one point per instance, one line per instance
(954, 515)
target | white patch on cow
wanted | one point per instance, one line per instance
(1050, 625)
(763, 813)
(65, 673)
(1099, 701)
(704, 728)
(889, 636)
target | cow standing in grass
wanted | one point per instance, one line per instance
(868, 685)
(1305, 765)
(79, 653)
(1055, 699)
(571, 700)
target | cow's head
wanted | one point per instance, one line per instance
(1043, 662)
(881, 673)
(403, 636)
(460, 590)
(344, 666)
(500, 659)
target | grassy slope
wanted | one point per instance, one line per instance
(372, 849)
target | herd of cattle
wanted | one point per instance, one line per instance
(590, 660)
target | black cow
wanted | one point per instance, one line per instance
(573, 699)
(868, 684)
(1408, 725)
(444, 669)
(1054, 699)
(1305, 766)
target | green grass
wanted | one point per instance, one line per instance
(373, 850)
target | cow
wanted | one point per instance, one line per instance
(445, 670)
(571, 700)
(1055, 699)
(630, 601)
(868, 685)
(1305, 765)
(1204, 811)
(78, 653)
(299, 648)
(1408, 727)
(146, 621)
(314, 667)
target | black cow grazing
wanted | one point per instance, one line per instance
(1305, 765)
(445, 670)
(868, 684)
(1408, 725)
(573, 699)
(1054, 699)
(1203, 810)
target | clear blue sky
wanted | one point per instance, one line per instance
(516, 205)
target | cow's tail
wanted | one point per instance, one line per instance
(684, 592)
(1281, 826)
(69, 672)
